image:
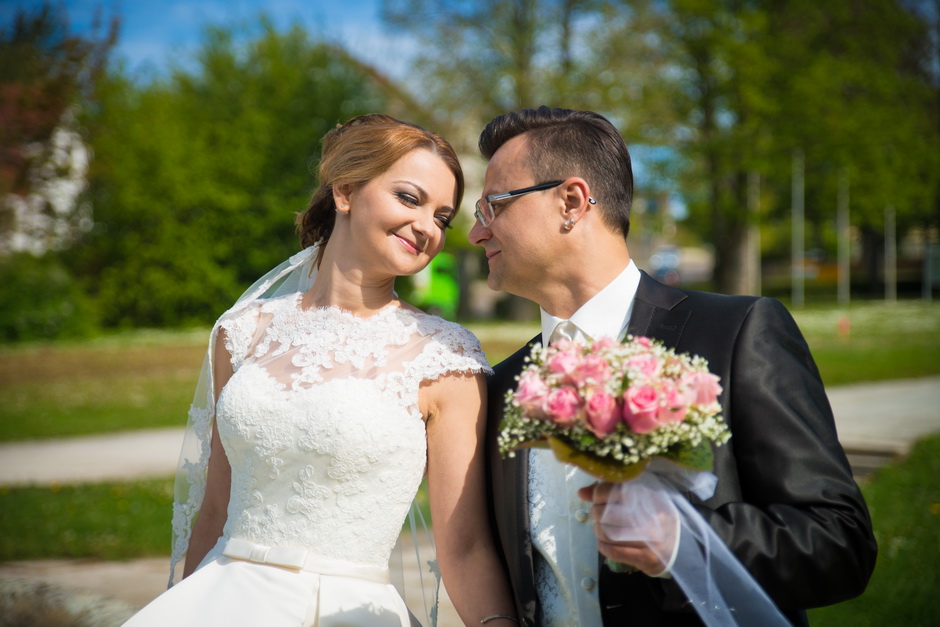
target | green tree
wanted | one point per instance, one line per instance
(750, 82)
(480, 59)
(198, 175)
(855, 94)
(721, 66)
(728, 88)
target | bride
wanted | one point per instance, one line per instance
(323, 402)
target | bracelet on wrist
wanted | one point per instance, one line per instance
(495, 616)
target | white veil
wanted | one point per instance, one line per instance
(297, 274)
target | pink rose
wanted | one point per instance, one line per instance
(603, 343)
(640, 408)
(563, 405)
(602, 414)
(563, 345)
(703, 388)
(642, 340)
(591, 369)
(647, 364)
(531, 392)
(563, 362)
(673, 407)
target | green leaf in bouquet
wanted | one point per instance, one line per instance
(606, 469)
(698, 457)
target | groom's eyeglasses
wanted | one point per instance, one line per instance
(486, 212)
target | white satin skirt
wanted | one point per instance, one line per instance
(241, 583)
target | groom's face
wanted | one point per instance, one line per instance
(518, 245)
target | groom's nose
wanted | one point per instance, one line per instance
(478, 233)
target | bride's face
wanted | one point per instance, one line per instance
(397, 221)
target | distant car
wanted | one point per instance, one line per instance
(664, 264)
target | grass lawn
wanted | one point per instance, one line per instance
(145, 379)
(883, 342)
(904, 501)
(100, 520)
(131, 381)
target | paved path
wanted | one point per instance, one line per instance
(876, 422)
(886, 414)
(128, 455)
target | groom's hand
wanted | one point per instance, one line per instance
(643, 537)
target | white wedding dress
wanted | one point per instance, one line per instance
(327, 446)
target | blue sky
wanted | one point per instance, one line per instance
(153, 31)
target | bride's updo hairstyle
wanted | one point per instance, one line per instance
(355, 153)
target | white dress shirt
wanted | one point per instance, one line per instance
(562, 531)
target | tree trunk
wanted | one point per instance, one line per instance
(730, 232)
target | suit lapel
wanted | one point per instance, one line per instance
(655, 314)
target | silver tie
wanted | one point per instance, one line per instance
(569, 331)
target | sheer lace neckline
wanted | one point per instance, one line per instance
(340, 311)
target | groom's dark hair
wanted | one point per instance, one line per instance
(565, 142)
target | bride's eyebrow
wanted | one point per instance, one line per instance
(412, 184)
(422, 195)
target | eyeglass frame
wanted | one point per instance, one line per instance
(489, 199)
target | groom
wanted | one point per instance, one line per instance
(553, 223)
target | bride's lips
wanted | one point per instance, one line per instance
(409, 246)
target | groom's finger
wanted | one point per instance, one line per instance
(601, 492)
(587, 492)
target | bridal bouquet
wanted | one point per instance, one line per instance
(611, 407)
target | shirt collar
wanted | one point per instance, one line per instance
(607, 312)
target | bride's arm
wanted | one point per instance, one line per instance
(471, 568)
(212, 515)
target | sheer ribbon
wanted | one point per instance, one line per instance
(719, 588)
(297, 274)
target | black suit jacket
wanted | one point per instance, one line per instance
(786, 503)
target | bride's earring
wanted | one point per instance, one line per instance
(568, 224)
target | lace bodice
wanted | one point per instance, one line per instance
(321, 426)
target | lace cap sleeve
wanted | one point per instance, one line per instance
(240, 328)
(450, 348)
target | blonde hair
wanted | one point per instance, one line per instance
(357, 152)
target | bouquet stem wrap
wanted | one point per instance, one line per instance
(719, 588)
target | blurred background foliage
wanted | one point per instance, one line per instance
(131, 200)
(197, 176)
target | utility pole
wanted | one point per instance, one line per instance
(891, 256)
(842, 227)
(753, 233)
(796, 243)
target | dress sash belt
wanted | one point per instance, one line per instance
(297, 558)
